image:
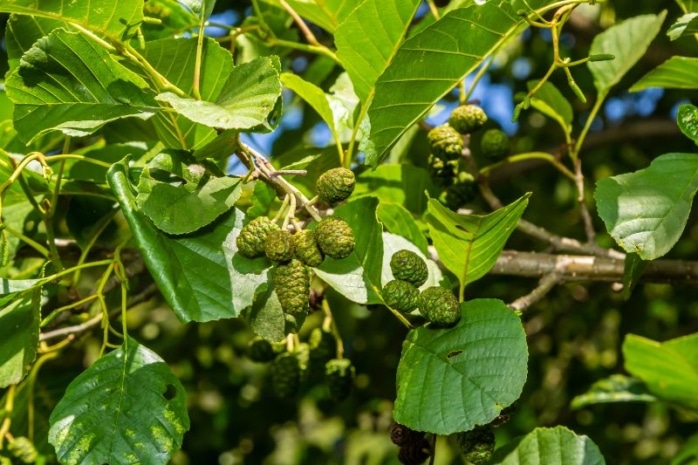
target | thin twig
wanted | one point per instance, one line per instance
(545, 285)
(581, 199)
(309, 36)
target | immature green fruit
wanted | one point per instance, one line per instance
(439, 306)
(467, 118)
(335, 237)
(401, 295)
(445, 142)
(408, 266)
(23, 450)
(253, 235)
(261, 350)
(463, 191)
(339, 375)
(286, 375)
(279, 246)
(292, 285)
(495, 144)
(335, 185)
(477, 445)
(306, 249)
(442, 173)
(323, 345)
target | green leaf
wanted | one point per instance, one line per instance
(687, 119)
(68, 82)
(13, 286)
(686, 25)
(669, 369)
(266, 317)
(549, 101)
(315, 97)
(391, 244)
(627, 41)
(427, 66)
(19, 336)
(675, 73)
(646, 211)
(615, 388)
(397, 220)
(358, 277)
(175, 59)
(181, 196)
(397, 183)
(246, 100)
(468, 245)
(117, 20)
(248, 276)
(190, 271)
(21, 33)
(550, 446)
(632, 270)
(450, 380)
(368, 40)
(126, 408)
(327, 14)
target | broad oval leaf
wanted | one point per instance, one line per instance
(550, 446)
(19, 334)
(181, 196)
(468, 245)
(427, 66)
(452, 379)
(686, 25)
(126, 408)
(687, 119)
(368, 39)
(246, 100)
(646, 211)
(175, 59)
(68, 82)
(627, 42)
(675, 73)
(118, 20)
(669, 369)
(358, 277)
(190, 271)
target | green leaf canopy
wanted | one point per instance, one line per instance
(452, 379)
(126, 408)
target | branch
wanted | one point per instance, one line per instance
(589, 268)
(546, 284)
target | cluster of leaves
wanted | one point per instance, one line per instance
(123, 117)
